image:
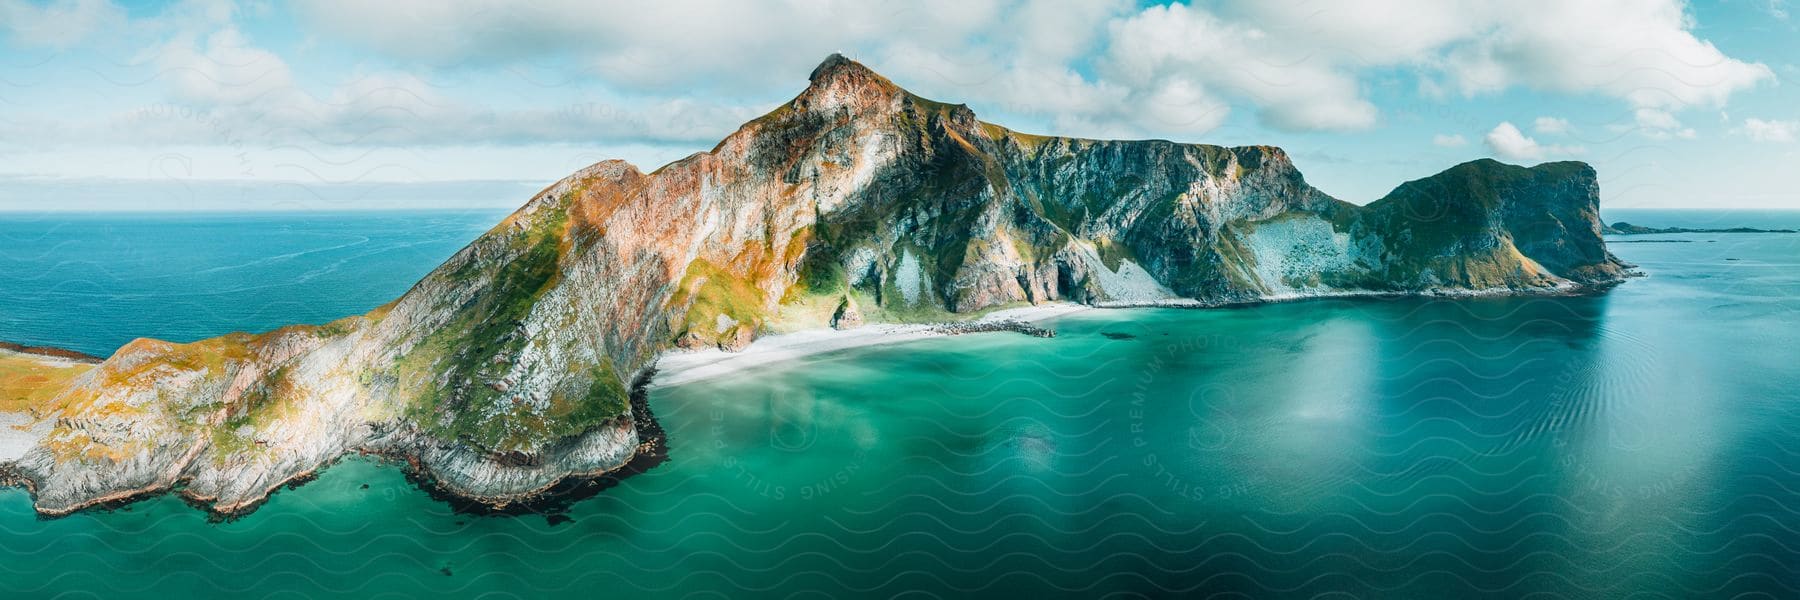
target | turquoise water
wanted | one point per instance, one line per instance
(91, 282)
(1637, 443)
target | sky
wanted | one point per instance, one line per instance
(345, 104)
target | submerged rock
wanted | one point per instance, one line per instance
(505, 370)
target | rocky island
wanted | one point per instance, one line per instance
(1623, 228)
(510, 367)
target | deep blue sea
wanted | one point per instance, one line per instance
(1640, 443)
(93, 281)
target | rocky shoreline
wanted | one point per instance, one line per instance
(651, 451)
(652, 446)
(1566, 289)
(567, 488)
(51, 352)
(1013, 325)
(404, 450)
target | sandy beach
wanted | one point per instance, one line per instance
(680, 367)
(23, 371)
(14, 441)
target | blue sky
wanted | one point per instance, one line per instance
(335, 104)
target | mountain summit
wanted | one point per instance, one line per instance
(507, 369)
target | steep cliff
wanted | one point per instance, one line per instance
(506, 369)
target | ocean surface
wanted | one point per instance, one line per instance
(93, 281)
(1643, 442)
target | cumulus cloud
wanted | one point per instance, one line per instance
(223, 68)
(1659, 124)
(226, 91)
(1551, 126)
(682, 44)
(59, 23)
(1107, 68)
(1642, 52)
(1299, 65)
(1011, 56)
(1506, 141)
(1201, 54)
(1449, 141)
(1771, 131)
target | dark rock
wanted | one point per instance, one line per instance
(847, 316)
(691, 341)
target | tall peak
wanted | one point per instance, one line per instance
(834, 66)
(842, 73)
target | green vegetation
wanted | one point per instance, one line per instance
(452, 368)
(735, 290)
(1113, 254)
(261, 404)
(713, 292)
(337, 328)
(1234, 260)
(1427, 219)
(1026, 141)
(1451, 225)
(522, 428)
(30, 382)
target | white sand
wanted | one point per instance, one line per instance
(679, 366)
(19, 432)
(15, 442)
(47, 360)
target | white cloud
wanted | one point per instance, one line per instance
(1510, 143)
(1301, 62)
(1174, 46)
(1771, 131)
(223, 69)
(1655, 119)
(1506, 141)
(1449, 141)
(1551, 126)
(1104, 69)
(1658, 124)
(59, 23)
(1299, 65)
(674, 45)
(226, 90)
(1642, 52)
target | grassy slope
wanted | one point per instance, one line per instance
(29, 382)
(451, 369)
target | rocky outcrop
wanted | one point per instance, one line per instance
(847, 315)
(505, 370)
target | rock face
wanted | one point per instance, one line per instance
(506, 369)
(847, 315)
